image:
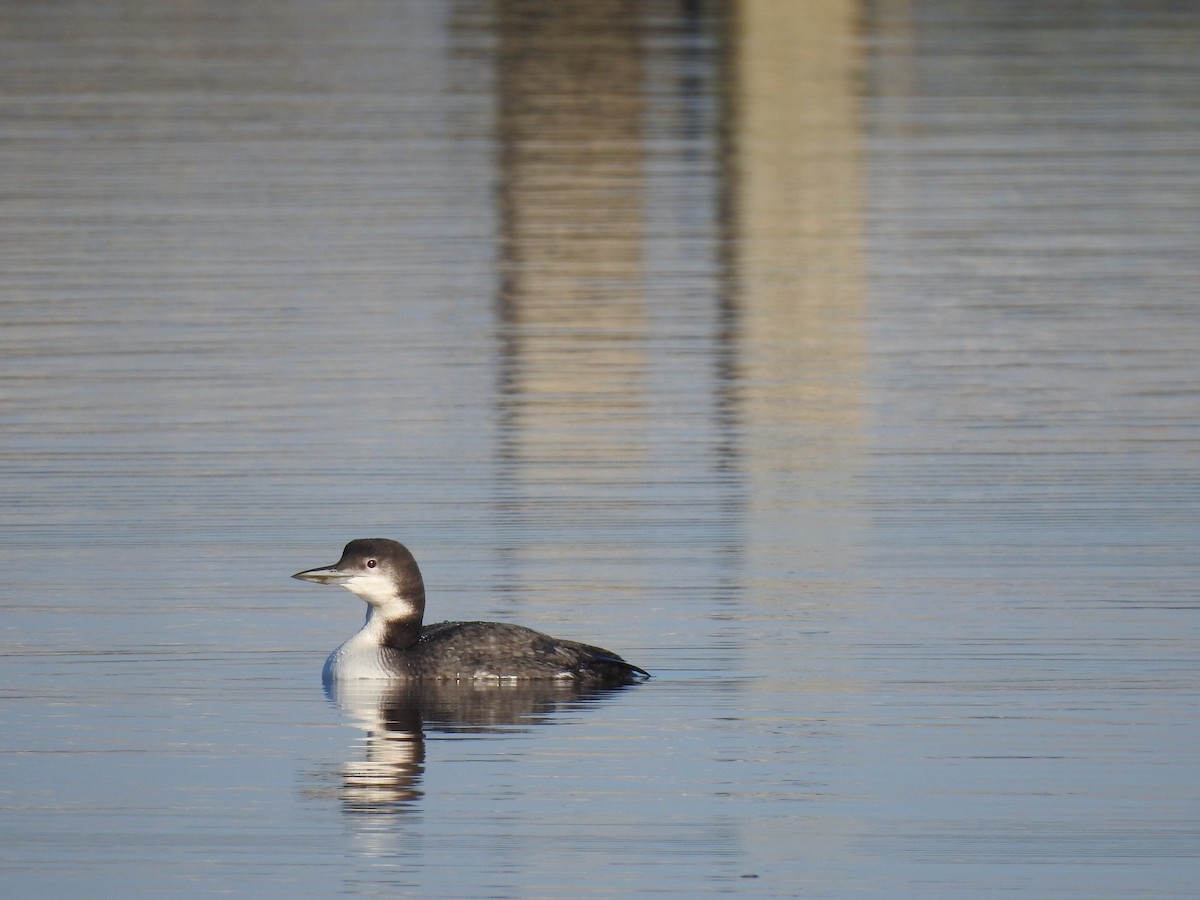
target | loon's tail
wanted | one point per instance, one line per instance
(635, 673)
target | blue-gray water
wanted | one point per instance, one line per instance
(835, 362)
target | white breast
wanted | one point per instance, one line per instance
(359, 657)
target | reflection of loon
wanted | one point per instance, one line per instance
(392, 643)
(386, 777)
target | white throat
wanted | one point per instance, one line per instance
(379, 591)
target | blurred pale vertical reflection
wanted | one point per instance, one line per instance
(569, 121)
(795, 195)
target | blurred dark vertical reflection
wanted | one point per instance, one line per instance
(572, 312)
(571, 212)
(608, 306)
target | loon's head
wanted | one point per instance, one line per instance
(382, 572)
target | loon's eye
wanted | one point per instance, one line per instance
(371, 564)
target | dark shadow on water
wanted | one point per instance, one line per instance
(387, 776)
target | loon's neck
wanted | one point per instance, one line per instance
(375, 650)
(397, 626)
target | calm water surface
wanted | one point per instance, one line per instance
(835, 362)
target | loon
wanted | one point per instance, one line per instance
(392, 644)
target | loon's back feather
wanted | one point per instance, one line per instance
(502, 650)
